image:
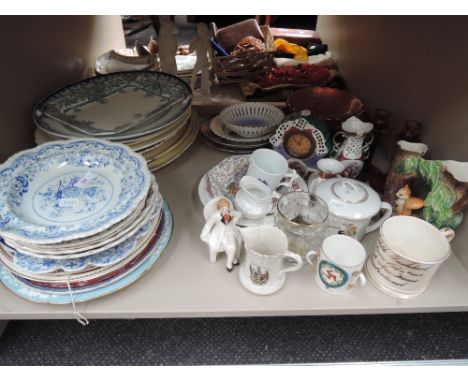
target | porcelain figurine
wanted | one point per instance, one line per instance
(220, 231)
(354, 147)
(201, 45)
(396, 180)
(448, 196)
(405, 203)
(167, 45)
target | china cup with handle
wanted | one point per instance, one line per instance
(270, 168)
(338, 265)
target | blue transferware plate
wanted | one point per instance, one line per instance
(66, 190)
(36, 295)
(115, 105)
(105, 258)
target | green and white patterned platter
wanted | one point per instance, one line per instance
(117, 105)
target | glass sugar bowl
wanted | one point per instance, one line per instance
(302, 216)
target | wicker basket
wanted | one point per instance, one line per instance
(242, 67)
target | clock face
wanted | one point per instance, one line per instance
(299, 145)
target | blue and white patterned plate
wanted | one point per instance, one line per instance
(105, 258)
(61, 191)
(35, 295)
(115, 105)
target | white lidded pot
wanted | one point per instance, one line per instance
(352, 205)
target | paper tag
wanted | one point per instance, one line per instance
(86, 180)
(68, 202)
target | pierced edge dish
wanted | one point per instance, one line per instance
(219, 129)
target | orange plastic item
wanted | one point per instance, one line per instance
(300, 53)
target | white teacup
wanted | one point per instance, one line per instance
(270, 167)
(262, 271)
(254, 199)
(339, 266)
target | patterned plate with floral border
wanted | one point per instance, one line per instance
(35, 295)
(226, 175)
(223, 180)
(118, 102)
(105, 258)
(66, 190)
(98, 276)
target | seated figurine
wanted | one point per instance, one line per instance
(220, 231)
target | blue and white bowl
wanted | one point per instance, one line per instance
(66, 190)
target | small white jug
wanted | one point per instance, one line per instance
(254, 199)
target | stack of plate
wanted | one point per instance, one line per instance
(79, 219)
(242, 128)
(148, 111)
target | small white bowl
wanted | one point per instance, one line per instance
(251, 119)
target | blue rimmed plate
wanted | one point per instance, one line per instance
(61, 191)
(32, 294)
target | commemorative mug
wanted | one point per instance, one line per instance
(270, 167)
(408, 253)
(263, 271)
(338, 265)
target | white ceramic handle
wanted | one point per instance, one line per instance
(310, 256)
(448, 232)
(293, 268)
(388, 212)
(362, 279)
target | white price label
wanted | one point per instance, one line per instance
(68, 202)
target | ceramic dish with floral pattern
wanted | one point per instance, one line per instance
(69, 189)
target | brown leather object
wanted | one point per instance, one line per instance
(229, 36)
(296, 36)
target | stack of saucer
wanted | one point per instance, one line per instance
(148, 111)
(242, 128)
(79, 219)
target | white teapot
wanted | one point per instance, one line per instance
(351, 204)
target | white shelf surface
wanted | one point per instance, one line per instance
(183, 283)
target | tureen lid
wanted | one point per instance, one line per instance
(349, 198)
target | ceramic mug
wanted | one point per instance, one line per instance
(263, 272)
(254, 199)
(270, 167)
(338, 268)
(408, 252)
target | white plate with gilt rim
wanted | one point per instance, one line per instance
(67, 190)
